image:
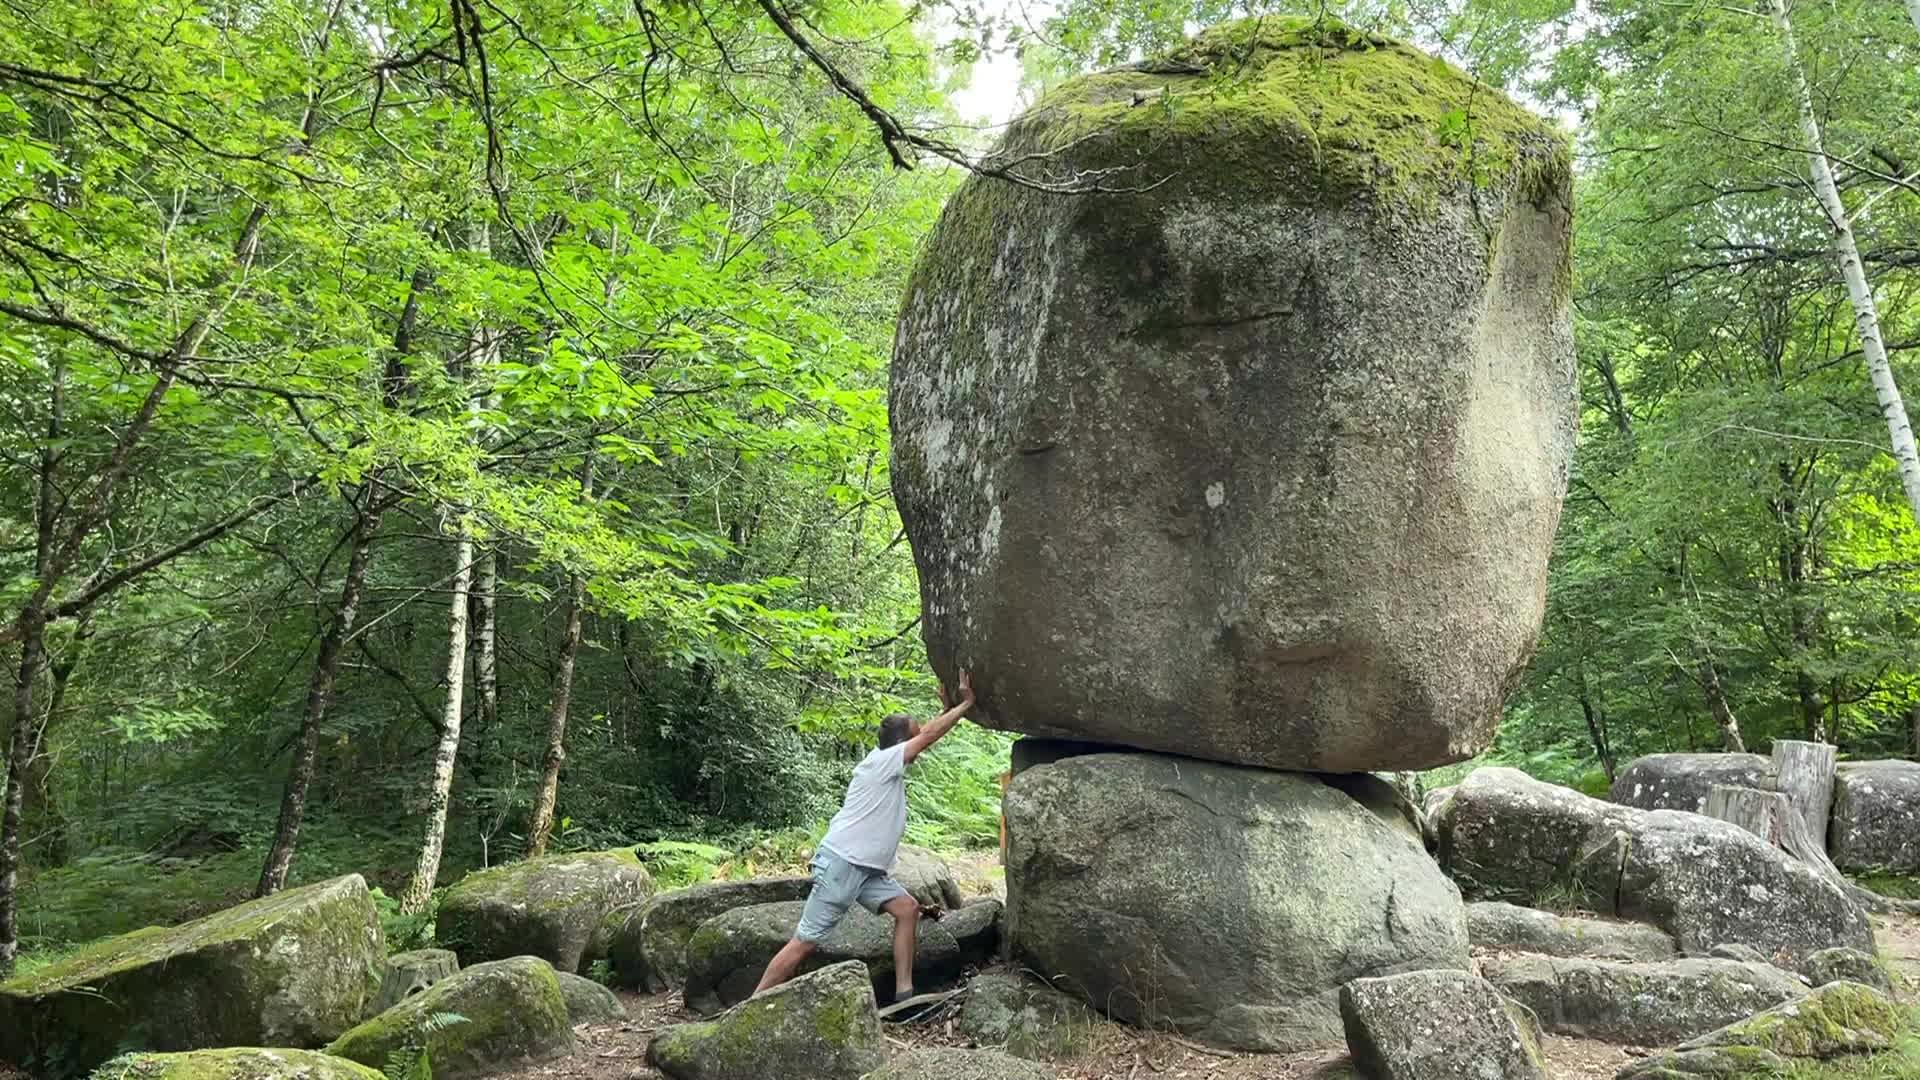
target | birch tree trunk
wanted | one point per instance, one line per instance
(1730, 740)
(1866, 316)
(540, 830)
(486, 664)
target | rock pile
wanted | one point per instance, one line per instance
(1248, 447)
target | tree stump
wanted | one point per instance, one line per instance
(1771, 816)
(1803, 772)
(409, 973)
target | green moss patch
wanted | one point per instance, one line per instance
(235, 1063)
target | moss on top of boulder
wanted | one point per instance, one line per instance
(236, 1063)
(1838, 1018)
(1318, 108)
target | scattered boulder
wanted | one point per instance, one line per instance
(236, 1063)
(1439, 1025)
(1846, 965)
(510, 1011)
(587, 1001)
(952, 1063)
(927, 877)
(727, 955)
(1271, 330)
(295, 969)
(1506, 836)
(1875, 824)
(649, 950)
(409, 973)
(821, 1025)
(1647, 1004)
(561, 908)
(1025, 1017)
(1683, 781)
(1126, 873)
(1838, 1018)
(1496, 927)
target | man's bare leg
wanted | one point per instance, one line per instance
(906, 925)
(784, 964)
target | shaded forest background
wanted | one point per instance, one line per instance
(476, 412)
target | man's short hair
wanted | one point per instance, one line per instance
(895, 729)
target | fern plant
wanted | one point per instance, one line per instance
(412, 1060)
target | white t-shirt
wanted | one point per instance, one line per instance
(866, 831)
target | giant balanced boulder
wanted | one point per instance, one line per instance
(1240, 429)
(294, 969)
(1225, 902)
(564, 909)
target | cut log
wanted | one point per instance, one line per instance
(1803, 772)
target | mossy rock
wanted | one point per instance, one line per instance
(1646, 1004)
(1838, 1018)
(510, 1010)
(649, 948)
(562, 908)
(236, 1063)
(1719, 1063)
(1026, 1017)
(293, 969)
(727, 955)
(822, 1025)
(1846, 965)
(954, 1063)
(588, 1002)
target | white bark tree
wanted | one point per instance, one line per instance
(1866, 316)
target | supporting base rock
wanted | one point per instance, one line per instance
(1025, 1017)
(410, 973)
(1496, 927)
(1506, 836)
(561, 908)
(1839, 1018)
(949, 1063)
(511, 1010)
(587, 1001)
(237, 1063)
(1644, 1004)
(1228, 903)
(649, 950)
(727, 955)
(822, 1025)
(1439, 1025)
(1875, 823)
(295, 969)
(1682, 781)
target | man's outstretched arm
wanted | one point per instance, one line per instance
(930, 733)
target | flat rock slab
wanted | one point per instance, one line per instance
(1875, 824)
(511, 1011)
(237, 1063)
(1439, 1025)
(821, 1025)
(1493, 926)
(953, 1063)
(296, 968)
(727, 955)
(1227, 903)
(1506, 836)
(649, 950)
(1642, 1004)
(1683, 781)
(561, 908)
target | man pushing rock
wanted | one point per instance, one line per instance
(854, 858)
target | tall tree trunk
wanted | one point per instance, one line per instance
(23, 745)
(486, 663)
(326, 671)
(446, 751)
(541, 827)
(40, 806)
(420, 886)
(1866, 316)
(1730, 740)
(1597, 729)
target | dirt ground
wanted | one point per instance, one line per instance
(618, 1052)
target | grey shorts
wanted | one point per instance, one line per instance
(836, 884)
